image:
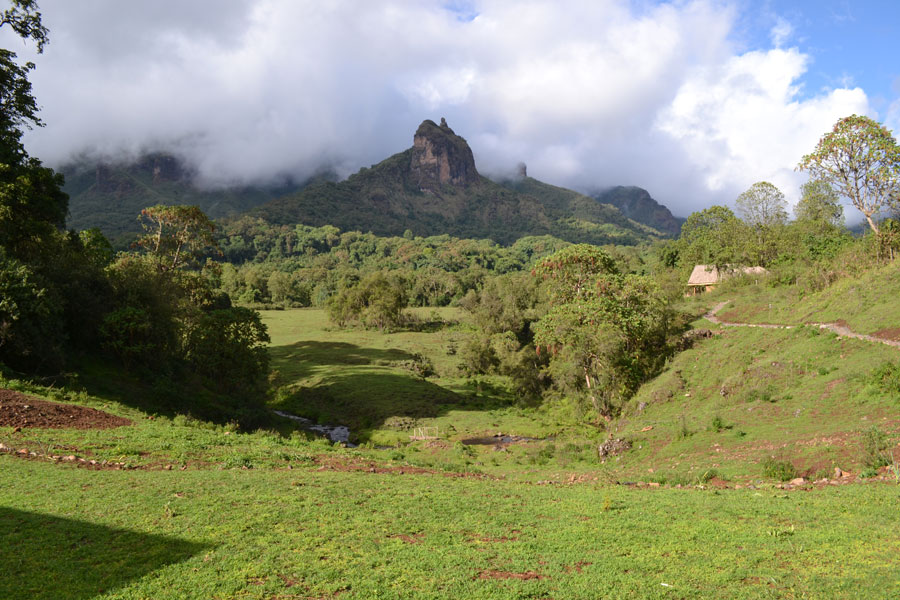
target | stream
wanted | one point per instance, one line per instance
(335, 433)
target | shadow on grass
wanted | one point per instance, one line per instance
(298, 360)
(365, 399)
(169, 395)
(43, 556)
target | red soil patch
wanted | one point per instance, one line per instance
(497, 540)
(409, 539)
(892, 334)
(508, 575)
(19, 410)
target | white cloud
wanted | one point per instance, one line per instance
(743, 121)
(781, 32)
(589, 93)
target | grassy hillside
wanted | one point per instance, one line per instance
(203, 512)
(371, 382)
(867, 304)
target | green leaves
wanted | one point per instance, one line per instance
(861, 160)
(606, 332)
(175, 235)
(763, 205)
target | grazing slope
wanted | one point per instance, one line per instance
(434, 188)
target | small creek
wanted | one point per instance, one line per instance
(335, 433)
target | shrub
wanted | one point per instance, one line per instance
(875, 445)
(683, 431)
(718, 424)
(781, 470)
(886, 378)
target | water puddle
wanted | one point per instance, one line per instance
(335, 433)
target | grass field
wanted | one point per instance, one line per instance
(303, 533)
(195, 510)
(372, 381)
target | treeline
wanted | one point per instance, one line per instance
(294, 266)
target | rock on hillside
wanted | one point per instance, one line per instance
(440, 157)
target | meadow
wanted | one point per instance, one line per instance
(205, 511)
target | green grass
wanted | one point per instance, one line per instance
(263, 533)
(363, 379)
(199, 510)
(866, 304)
(748, 395)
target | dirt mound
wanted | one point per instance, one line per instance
(19, 410)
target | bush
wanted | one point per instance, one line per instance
(875, 448)
(781, 470)
(718, 424)
(376, 302)
(31, 328)
(886, 379)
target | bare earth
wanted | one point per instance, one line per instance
(19, 410)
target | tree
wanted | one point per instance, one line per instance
(18, 107)
(764, 209)
(861, 160)
(819, 204)
(712, 236)
(376, 301)
(228, 348)
(32, 205)
(606, 332)
(175, 235)
(762, 205)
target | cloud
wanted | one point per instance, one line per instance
(589, 94)
(781, 32)
(743, 121)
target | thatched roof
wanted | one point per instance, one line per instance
(710, 275)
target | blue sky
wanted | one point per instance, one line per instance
(849, 43)
(694, 100)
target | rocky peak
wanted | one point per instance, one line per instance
(440, 157)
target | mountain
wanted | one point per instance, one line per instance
(434, 188)
(111, 195)
(636, 203)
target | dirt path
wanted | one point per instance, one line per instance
(837, 328)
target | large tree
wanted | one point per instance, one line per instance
(606, 332)
(175, 235)
(712, 236)
(861, 161)
(762, 205)
(819, 203)
(764, 209)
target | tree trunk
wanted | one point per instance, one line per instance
(872, 224)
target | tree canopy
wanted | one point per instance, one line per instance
(860, 159)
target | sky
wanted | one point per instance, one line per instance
(692, 100)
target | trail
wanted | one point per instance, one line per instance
(834, 327)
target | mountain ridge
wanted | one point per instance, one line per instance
(434, 188)
(431, 188)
